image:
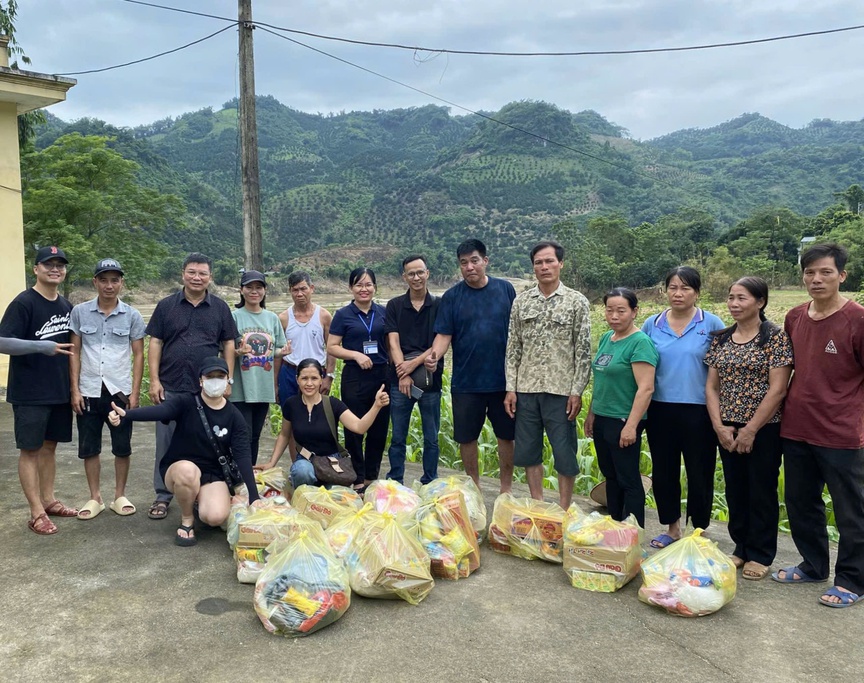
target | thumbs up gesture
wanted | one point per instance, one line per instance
(382, 398)
(431, 362)
(116, 414)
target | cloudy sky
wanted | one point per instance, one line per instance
(792, 81)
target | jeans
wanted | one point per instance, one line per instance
(302, 472)
(401, 407)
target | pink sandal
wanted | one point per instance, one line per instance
(58, 509)
(42, 525)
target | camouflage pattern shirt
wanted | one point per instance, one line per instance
(549, 343)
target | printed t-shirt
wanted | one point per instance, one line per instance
(614, 383)
(311, 430)
(478, 321)
(36, 379)
(825, 403)
(253, 372)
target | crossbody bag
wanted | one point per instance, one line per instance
(335, 468)
(229, 468)
(423, 378)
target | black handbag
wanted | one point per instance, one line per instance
(229, 468)
(423, 378)
(335, 468)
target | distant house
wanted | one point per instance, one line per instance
(805, 242)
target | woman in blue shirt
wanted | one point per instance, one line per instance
(357, 337)
(678, 421)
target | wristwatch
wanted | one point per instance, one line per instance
(330, 375)
(230, 380)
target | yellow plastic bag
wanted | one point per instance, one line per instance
(690, 578)
(264, 525)
(601, 554)
(527, 528)
(388, 562)
(325, 505)
(473, 498)
(446, 533)
(303, 588)
(240, 510)
(273, 482)
(387, 495)
(342, 532)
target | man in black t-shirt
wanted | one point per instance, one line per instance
(38, 387)
(185, 328)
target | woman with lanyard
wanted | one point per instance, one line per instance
(259, 351)
(749, 365)
(357, 336)
(678, 421)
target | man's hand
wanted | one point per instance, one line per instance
(588, 427)
(134, 401)
(326, 385)
(405, 384)
(77, 402)
(116, 414)
(156, 393)
(510, 403)
(406, 367)
(574, 405)
(431, 362)
(65, 349)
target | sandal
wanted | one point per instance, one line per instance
(91, 509)
(42, 525)
(737, 562)
(754, 571)
(57, 509)
(159, 509)
(188, 539)
(794, 575)
(123, 507)
(846, 598)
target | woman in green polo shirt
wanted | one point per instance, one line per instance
(623, 385)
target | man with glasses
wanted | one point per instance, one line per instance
(185, 328)
(409, 323)
(38, 387)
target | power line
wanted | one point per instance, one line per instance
(147, 59)
(476, 113)
(492, 53)
(11, 189)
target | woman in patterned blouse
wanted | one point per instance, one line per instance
(749, 364)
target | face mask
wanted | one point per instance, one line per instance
(215, 386)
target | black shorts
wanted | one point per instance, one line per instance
(470, 412)
(34, 425)
(90, 428)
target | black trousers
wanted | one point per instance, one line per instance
(808, 469)
(358, 393)
(255, 415)
(620, 466)
(751, 493)
(676, 429)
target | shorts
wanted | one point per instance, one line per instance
(90, 428)
(534, 413)
(287, 382)
(471, 410)
(34, 425)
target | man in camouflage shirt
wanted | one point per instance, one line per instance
(548, 365)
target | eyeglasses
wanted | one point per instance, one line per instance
(53, 265)
(197, 273)
(416, 274)
(363, 285)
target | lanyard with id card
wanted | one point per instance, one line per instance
(370, 347)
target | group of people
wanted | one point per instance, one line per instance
(521, 361)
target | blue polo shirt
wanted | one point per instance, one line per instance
(681, 373)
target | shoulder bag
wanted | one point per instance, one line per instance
(229, 468)
(335, 468)
(423, 378)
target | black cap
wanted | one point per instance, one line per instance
(252, 276)
(107, 264)
(212, 364)
(47, 253)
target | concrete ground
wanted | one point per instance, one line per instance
(113, 599)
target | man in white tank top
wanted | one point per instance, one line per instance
(307, 326)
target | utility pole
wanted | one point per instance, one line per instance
(252, 244)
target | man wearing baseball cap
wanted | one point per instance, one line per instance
(106, 335)
(38, 387)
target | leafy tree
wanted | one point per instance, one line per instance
(768, 243)
(853, 196)
(85, 197)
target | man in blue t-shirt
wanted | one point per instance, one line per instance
(474, 316)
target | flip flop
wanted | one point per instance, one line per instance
(791, 573)
(159, 509)
(56, 509)
(42, 525)
(186, 541)
(663, 541)
(93, 508)
(847, 598)
(754, 571)
(121, 503)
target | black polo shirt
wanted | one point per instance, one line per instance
(415, 330)
(189, 334)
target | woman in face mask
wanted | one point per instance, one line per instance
(209, 428)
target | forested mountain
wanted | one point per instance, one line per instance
(424, 178)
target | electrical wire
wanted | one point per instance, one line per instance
(147, 59)
(492, 53)
(11, 189)
(476, 113)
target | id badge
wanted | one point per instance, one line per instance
(370, 347)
